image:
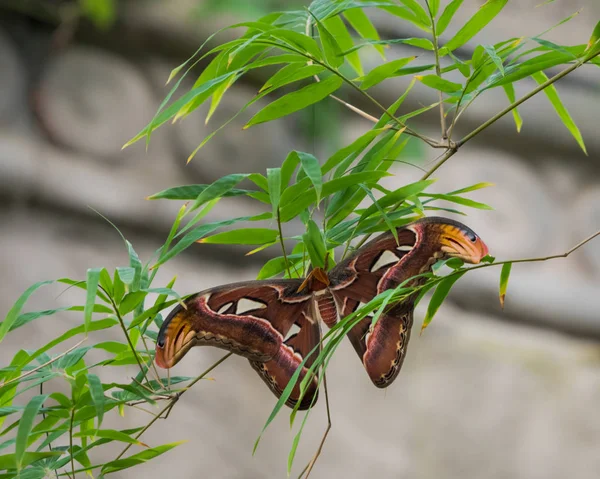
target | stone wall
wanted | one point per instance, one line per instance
(483, 393)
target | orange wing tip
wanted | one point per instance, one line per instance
(159, 358)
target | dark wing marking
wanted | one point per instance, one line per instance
(270, 308)
(278, 371)
(358, 279)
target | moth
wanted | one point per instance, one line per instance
(275, 323)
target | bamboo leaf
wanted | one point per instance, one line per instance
(190, 192)
(396, 196)
(504, 275)
(312, 168)
(447, 15)
(274, 180)
(315, 244)
(93, 274)
(25, 425)
(509, 89)
(243, 236)
(441, 84)
(460, 201)
(382, 72)
(138, 458)
(331, 48)
(297, 100)
(217, 189)
(442, 290)
(561, 110)
(486, 13)
(364, 27)
(14, 312)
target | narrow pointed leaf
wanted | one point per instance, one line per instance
(561, 110)
(25, 425)
(14, 312)
(274, 179)
(93, 274)
(446, 16)
(504, 275)
(138, 458)
(243, 236)
(382, 72)
(312, 168)
(476, 23)
(297, 100)
(509, 89)
(442, 290)
(441, 84)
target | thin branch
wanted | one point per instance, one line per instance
(287, 262)
(71, 441)
(535, 91)
(355, 109)
(122, 323)
(30, 372)
(438, 72)
(172, 402)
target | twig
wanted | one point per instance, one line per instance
(30, 372)
(535, 91)
(71, 440)
(172, 402)
(122, 323)
(287, 263)
(312, 462)
(438, 72)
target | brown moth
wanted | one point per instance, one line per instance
(274, 323)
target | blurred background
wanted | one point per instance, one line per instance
(483, 393)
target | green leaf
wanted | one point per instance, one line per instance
(476, 23)
(509, 89)
(288, 167)
(290, 74)
(297, 100)
(274, 179)
(504, 275)
(136, 264)
(364, 27)
(382, 72)
(418, 10)
(446, 16)
(434, 6)
(138, 458)
(312, 168)
(126, 275)
(304, 200)
(491, 51)
(315, 244)
(423, 43)
(442, 290)
(561, 110)
(8, 461)
(396, 197)
(218, 189)
(594, 42)
(338, 29)
(243, 236)
(93, 275)
(333, 52)
(277, 265)
(113, 435)
(199, 232)
(441, 84)
(190, 192)
(13, 314)
(475, 187)
(460, 201)
(25, 425)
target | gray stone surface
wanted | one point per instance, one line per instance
(483, 393)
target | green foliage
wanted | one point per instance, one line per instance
(313, 53)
